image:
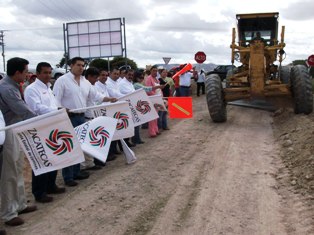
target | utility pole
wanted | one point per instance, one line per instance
(2, 45)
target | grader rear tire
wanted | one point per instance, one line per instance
(215, 98)
(301, 86)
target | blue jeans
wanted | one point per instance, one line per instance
(184, 91)
(70, 172)
(162, 120)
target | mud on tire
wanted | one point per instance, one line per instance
(215, 98)
(301, 88)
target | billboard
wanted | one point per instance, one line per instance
(94, 39)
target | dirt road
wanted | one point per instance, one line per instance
(197, 178)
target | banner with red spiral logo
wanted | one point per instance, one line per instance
(158, 102)
(141, 107)
(119, 110)
(49, 142)
(96, 135)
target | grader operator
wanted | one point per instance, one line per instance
(261, 74)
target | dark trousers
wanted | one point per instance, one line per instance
(136, 139)
(178, 92)
(184, 91)
(199, 86)
(43, 183)
(70, 172)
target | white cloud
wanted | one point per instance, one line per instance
(154, 28)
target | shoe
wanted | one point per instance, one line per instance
(16, 221)
(111, 158)
(44, 199)
(56, 190)
(166, 129)
(71, 183)
(130, 144)
(93, 168)
(116, 152)
(100, 164)
(82, 175)
(141, 142)
(158, 133)
(153, 136)
(3, 232)
(28, 209)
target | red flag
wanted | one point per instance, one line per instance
(180, 107)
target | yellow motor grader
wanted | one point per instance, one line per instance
(258, 77)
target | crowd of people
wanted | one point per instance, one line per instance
(23, 96)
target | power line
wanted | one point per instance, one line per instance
(62, 10)
(33, 29)
(72, 9)
(51, 9)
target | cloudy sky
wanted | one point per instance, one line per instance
(33, 29)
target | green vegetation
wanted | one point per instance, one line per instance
(103, 63)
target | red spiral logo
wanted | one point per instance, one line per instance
(60, 142)
(123, 121)
(143, 107)
(99, 136)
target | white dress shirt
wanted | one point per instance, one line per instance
(201, 77)
(102, 88)
(185, 79)
(71, 95)
(91, 101)
(113, 88)
(39, 98)
(126, 87)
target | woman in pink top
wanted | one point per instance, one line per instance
(152, 81)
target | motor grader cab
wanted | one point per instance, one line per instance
(261, 74)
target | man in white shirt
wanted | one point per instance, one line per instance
(101, 83)
(113, 85)
(200, 83)
(72, 91)
(126, 84)
(40, 99)
(185, 83)
(126, 87)
(92, 75)
(114, 91)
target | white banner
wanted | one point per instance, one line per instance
(96, 135)
(128, 153)
(49, 142)
(158, 102)
(120, 111)
(141, 107)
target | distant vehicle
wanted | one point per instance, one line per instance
(221, 70)
(125, 67)
(57, 72)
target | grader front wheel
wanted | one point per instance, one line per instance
(301, 86)
(215, 98)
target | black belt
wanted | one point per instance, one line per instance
(76, 114)
(186, 86)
